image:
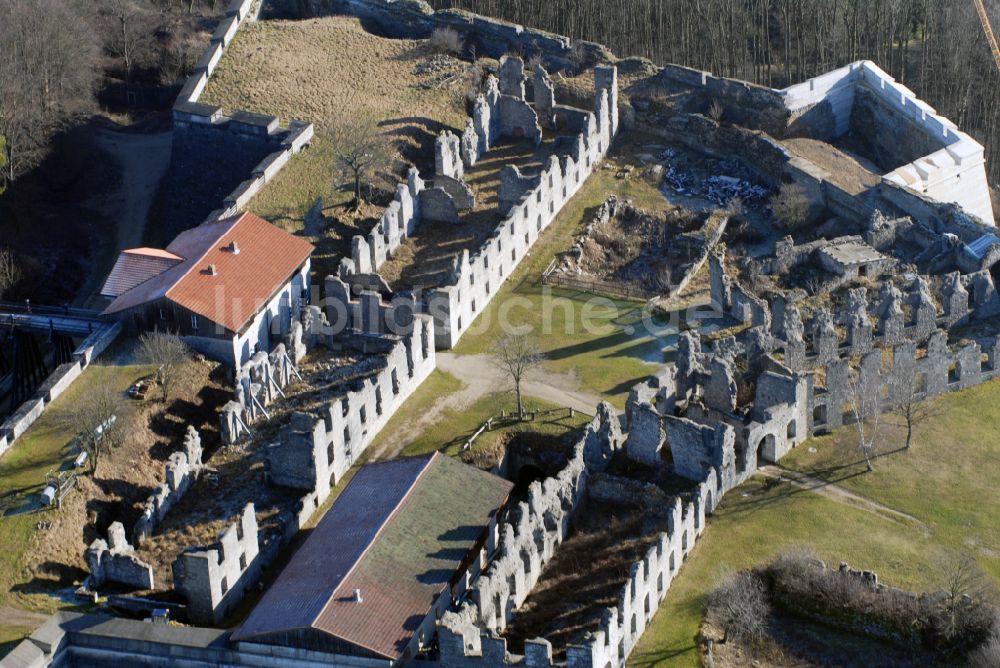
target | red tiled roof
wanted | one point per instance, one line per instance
(242, 283)
(135, 266)
(398, 533)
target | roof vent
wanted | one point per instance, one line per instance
(211, 270)
(357, 596)
(234, 247)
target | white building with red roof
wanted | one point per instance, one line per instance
(229, 287)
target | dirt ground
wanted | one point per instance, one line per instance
(126, 476)
(850, 172)
(583, 578)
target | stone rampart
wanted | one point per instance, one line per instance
(238, 12)
(55, 384)
(196, 123)
(954, 171)
(197, 126)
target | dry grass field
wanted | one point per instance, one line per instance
(327, 70)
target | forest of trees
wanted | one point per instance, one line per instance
(935, 47)
(59, 54)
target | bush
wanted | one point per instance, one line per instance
(445, 40)
(792, 207)
(986, 655)
(740, 607)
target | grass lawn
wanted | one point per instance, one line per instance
(750, 530)
(326, 70)
(947, 481)
(450, 434)
(438, 384)
(611, 354)
(43, 448)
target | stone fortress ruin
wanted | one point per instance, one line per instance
(896, 299)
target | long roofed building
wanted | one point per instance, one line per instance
(400, 544)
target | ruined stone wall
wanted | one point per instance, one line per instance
(214, 581)
(315, 450)
(181, 470)
(416, 19)
(115, 560)
(930, 370)
(732, 299)
(399, 221)
(466, 636)
(478, 276)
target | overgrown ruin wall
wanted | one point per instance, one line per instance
(467, 635)
(181, 470)
(478, 276)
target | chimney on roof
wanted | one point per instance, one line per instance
(234, 247)
(357, 596)
(211, 270)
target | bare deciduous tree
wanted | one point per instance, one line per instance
(98, 421)
(740, 607)
(907, 405)
(10, 270)
(865, 401)
(168, 353)
(516, 355)
(445, 41)
(360, 148)
(131, 35)
(969, 597)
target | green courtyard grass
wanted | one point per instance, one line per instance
(449, 434)
(947, 481)
(611, 354)
(438, 384)
(42, 449)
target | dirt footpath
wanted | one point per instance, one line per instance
(480, 377)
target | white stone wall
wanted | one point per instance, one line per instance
(956, 172)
